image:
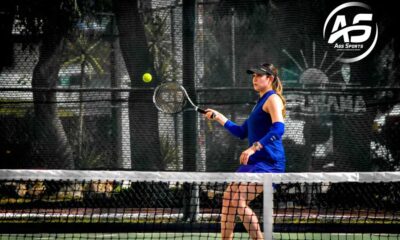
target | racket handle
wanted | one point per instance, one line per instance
(204, 112)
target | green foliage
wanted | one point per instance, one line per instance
(91, 54)
(388, 136)
(91, 156)
(160, 46)
(169, 152)
(87, 51)
(32, 17)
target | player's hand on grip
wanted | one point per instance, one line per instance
(212, 114)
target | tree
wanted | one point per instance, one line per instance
(47, 23)
(160, 46)
(143, 116)
(90, 55)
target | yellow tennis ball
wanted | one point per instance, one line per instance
(147, 77)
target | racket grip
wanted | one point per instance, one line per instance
(204, 112)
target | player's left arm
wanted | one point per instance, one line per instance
(274, 107)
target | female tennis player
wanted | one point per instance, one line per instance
(264, 129)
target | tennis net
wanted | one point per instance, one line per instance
(64, 204)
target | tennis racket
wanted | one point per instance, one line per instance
(172, 98)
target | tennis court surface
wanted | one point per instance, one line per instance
(62, 204)
(338, 236)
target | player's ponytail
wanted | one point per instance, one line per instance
(277, 85)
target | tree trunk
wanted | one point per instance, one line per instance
(116, 113)
(7, 9)
(81, 111)
(189, 117)
(52, 147)
(143, 116)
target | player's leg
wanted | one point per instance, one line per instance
(228, 212)
(247, 193)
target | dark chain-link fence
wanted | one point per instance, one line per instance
(72, 94)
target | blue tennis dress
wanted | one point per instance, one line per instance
(271, 158)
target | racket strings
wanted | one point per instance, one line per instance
(170, 98)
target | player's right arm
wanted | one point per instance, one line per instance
(233, 128)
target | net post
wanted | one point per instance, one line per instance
(268, 204)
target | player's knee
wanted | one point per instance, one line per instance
(229, 194)
(241, 210)
(241, 203)
(228, 211)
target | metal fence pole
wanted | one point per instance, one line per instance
(268, 203)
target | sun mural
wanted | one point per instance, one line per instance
(316, 74)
